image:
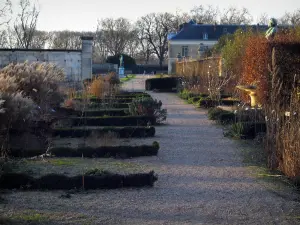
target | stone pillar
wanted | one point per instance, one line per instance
(86, 58)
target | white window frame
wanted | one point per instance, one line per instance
(185, 51)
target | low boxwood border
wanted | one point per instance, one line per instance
(91, 152)
(104, 112)
(94, 105)
(208, 103)
(105, 180)
(122, 132)
(106, 100)
(113, 121)
(222, 116)
(93, 112)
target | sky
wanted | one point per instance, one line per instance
(82, 15)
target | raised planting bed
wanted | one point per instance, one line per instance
(94, 179)
(122, 132)
(91, 152)
(167, 83)
(113, 121)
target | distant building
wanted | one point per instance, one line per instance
(192, 38)
(77, 64)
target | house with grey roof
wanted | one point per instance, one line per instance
(192, 39)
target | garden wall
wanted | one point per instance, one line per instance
(201, 75)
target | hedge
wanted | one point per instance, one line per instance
(246, 130)
(113, 121)
(208, 103)
(222, 116)
(104, 112)
(106, 100)
(94, 105)
(104, 180)
(90, 152)
(167, 83)
(122, 132)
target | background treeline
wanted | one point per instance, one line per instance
(145, 40)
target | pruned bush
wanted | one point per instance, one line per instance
(148, 107)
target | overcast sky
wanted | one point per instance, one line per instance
(82, 15)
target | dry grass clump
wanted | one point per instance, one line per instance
(102, 86)
(28, 94)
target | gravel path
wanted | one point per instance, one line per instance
(201, 181)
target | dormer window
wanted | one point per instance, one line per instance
(205, 36)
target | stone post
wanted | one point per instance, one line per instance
(86, 58)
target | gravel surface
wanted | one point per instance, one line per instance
(202, 180)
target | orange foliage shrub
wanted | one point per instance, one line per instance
(257, 58)
(99, 86)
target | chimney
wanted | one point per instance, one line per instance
(86, 57)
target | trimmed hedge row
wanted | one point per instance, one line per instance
(166, 83)
(104, 112)
(122, 132)
(105, 180)
(222, 116)
(90, 152)
(208, 103)
(246, 130)
(94, 113)
(107, 100)
(94, 105)
(113, 121)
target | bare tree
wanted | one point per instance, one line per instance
(40, 39)
(155, 28)
(100, 51)
(25, 24)
(116, 34)
(205, 14)
(237, 16)
(132, 46)
(5, 11)
(263, 19)
(65, 40)
(3, 39)
(292, 18)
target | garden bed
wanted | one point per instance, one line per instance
(113, 121)
(93, 152)
(122, 132)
